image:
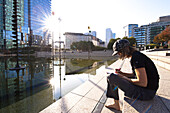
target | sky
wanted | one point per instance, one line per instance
(77, 15)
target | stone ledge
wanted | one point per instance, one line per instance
(136, 106)
(161, 64)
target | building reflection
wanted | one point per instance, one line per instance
(17, 85)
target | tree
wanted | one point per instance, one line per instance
(162, 37)
(111, 42)
(82, 45)
(132, 40)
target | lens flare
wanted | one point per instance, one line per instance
(52, 81)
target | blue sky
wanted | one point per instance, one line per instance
(77, 15)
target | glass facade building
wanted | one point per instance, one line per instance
(145, 34)
(156, 28)
(108, 35)
(114, 35)
(6, 9)
(140, 33)
(40, 10)
(131, 29)
(31, 16)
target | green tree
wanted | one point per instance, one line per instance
(82, 45)
(111, 42)
(132, 40)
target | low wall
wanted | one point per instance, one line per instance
(69, 54)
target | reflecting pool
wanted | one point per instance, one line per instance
(42, 81)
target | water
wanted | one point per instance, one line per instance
(42, 81)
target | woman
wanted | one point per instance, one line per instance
(141, 84)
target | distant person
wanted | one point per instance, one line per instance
(142, 84)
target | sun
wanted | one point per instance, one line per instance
(49, 23)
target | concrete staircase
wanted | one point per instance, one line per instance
(160, 58)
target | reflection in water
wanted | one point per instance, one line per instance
(18, 85)
(42, 82)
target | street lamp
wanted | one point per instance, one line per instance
(88, 42)
(59, 19)
(125, 29)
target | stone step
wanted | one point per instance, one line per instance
(157, 53)
(160, 103)
(163, 62)
(136, 106)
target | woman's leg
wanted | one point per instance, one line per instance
(112, 91)
(129, 88)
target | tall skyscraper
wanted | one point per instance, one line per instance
(109, 35)
(114, 35)
(131, 29)
(31, 15)
(94, 33)
(6, 21)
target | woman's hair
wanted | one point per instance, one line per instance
(126, 52)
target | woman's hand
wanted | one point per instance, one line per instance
(118, 71)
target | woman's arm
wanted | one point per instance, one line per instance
(125, 74)
(141, 79)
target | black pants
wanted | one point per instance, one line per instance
(131, 90)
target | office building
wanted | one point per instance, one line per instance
(140, 33)
(145, 34)
(94, 33)
(6, 13)
(109, 35)
(114, 35)
(164, 18)
(131, 29)
(32, 14)
(155, 28)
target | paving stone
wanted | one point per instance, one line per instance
(103, 98)
(137, 106)
(84, 88)
(106, 110)
(164, 88)
(103, 83)
(164, 73)
(98, 108)
(166, 101)
(95, 79)
(63, 105)
(86, 105)
(97, 92)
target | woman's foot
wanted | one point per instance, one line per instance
(113, 106)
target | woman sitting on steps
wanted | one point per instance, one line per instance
(146, 81)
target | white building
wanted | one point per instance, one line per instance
(75, 37)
